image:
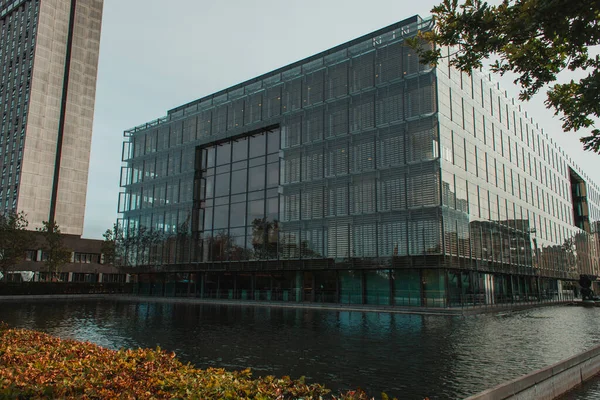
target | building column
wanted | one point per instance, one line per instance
(70, 278)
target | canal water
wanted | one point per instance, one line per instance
(408, 356)
(589, 390)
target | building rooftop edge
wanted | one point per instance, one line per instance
(414, 19)
(396, 25)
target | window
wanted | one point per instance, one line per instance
(86, 258)
(30, 255)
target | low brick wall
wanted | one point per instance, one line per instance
(550, 382)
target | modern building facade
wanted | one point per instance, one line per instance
(49, 57)
(87, 264)
(357, 175)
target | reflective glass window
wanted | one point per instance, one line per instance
(273, 209)
(239, 165)
(221, 217)
(256, 210)
(272, 175)
(222, 185)
(256, 161)
(224, 154)
(208, 215)
(240, 150)
(258, 145)
(209, 188)
(239, 181)
(209, 157)
(256, 178)
(238, 213)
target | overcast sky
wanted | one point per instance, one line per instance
(156, 55)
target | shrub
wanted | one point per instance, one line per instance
(34, 365)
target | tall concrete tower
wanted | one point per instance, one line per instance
(49, 60)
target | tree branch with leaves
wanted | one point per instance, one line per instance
(534, 39)
(15, 240)
(56, 254)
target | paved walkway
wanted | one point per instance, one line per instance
(454, 311)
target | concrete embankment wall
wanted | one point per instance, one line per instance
(550, 382)
(454, 311)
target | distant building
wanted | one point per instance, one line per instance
(49, 61)
(357, 175)
(86, 264)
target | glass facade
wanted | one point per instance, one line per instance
(368, 177)
(512, 200)
(238, 218)
(18, 24)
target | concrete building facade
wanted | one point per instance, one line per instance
(357, 175)
(49, 56)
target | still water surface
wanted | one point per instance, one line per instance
(589, 390)
(408, 356)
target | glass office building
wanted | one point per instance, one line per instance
(361, 176)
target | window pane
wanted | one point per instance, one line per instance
(272, 175)
(273, 141)
(239, 181)
(238, 214)
(238, 198)
(239, 165)
(224, 154)
(222, 185)
(237, 232)
(256, 161)
(223, 168)
(273, 209)
(221, 217)
(210, 186)
(256, 195)
(208, 214)
(256, 210)
(209, 157)
(258, 146)
(256, 178)
(240, 150)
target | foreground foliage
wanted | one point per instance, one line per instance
(35, 365)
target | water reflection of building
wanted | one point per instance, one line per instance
(357, 175)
